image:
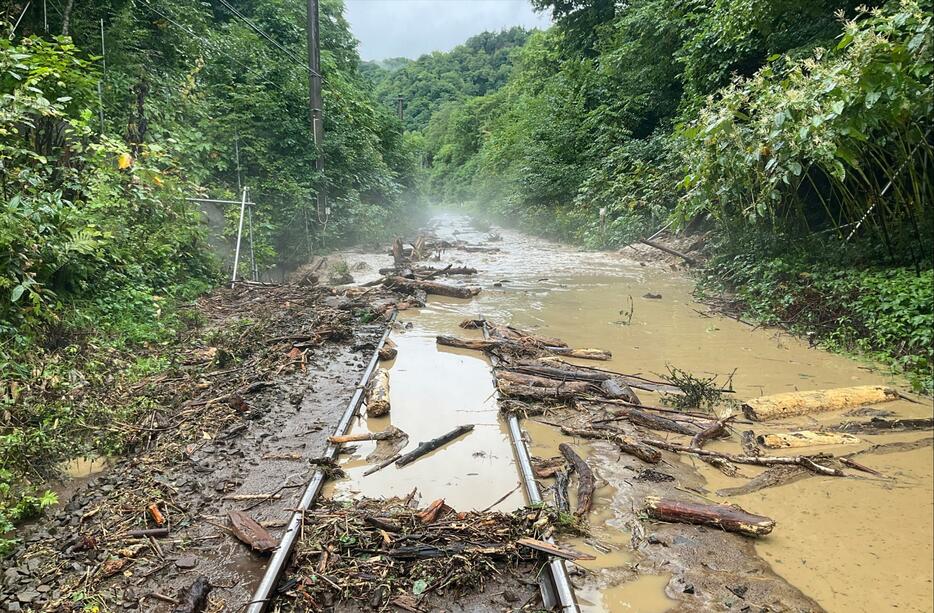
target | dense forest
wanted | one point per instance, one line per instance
(794, 135)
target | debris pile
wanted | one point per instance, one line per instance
(377, 553)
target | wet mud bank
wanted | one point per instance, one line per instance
(237, 424)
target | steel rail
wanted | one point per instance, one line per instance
(557, 590)
(280, 558)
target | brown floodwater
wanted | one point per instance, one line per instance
(853, 544)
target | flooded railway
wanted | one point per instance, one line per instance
(834, 537)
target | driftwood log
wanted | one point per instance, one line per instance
(585, 479)
(728, 517)
(429, 446)
(804, 438)
(431, 287)
(625, 443)
(880, 424)
(790, 404)
(377, 394)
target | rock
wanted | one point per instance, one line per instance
(11, 576)
(186, 562)
(27, 596)
(13, 607)
(44, 588)
(652, 296)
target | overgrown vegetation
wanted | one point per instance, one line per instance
(99, 249)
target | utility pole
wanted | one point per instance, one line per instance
(399, 100)
(314, 99)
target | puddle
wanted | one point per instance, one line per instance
(82, 468)
(834, 536)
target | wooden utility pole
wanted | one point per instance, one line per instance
(399, 100)
(314, 99)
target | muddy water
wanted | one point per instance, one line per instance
(835, 536)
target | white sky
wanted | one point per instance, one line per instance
(410, 28)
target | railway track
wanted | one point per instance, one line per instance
(556, 589)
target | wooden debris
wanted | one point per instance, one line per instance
(431, 287)
(153, 532)
(194, 599)
(156, 514)
(857, 466)
(431, 513)
(573, 387)
(804, 438)
(626, 444)
(377, 394)
(429, 446)
(387, 434)
(585, 479)
(516, 390)
(773, 477)
(553, 550)
(251, 533)
(715, 429)
(880, 424)
(790, 404)
(753, 460)
(748, 441)
(388, 351)
(728, 517)
(562, 481)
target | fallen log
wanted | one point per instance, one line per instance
(773, 477)
(657, 422)
(880, 424)
(635, 381)
(194, 599)
(752, 460)
(516, 390)
(727, 517)
(388, 351)
(385, 435)
(249, 532)
(581, 354)
(611, 387)
(382, 465)
(714, 430)
(468, 343)
(625, 443)
(790, 404)
(377, 394)
(585, 479)
(429, 446)
(687, 258)
(804, 438)
(431, 287)
(574, 387)
(446, 271)
(553, 550)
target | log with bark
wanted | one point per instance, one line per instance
(429, 446)
(634, 381)
(573, 387)
(748, 442)
(804, 438)
(609, 386)
(585, 479)
(562, 481)
(728, 517)
(377, 394)
(432, 287)
(626, 444)
(791, 404)
(517, 390)
(251, 533)
(880, 424)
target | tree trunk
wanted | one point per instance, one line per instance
(790, 404)
(430, 287)
(728, 517)
(585, 480)
(377, 394)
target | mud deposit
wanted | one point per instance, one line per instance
(829, 546)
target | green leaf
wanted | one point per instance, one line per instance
(17, 292)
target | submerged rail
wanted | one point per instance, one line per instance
(280, 558)
(555, 585)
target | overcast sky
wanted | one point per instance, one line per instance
(410, 28)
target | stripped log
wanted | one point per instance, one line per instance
(791, 404)
(251, 533)
(804, 438)
(585, 479)
(880, 424)
(431, 287)
(377, 394)
(388, 351)
(433, 444)
(388, 434)
(752, 460)
(728, 517)
(625, 443)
